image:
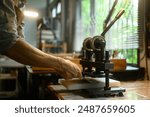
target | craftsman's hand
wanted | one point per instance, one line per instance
(68, 69)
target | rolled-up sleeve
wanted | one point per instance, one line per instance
(8, 25)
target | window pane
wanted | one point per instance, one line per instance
(123, 35)
(85, 17)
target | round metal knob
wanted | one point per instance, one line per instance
(87, 44)
(98, 43)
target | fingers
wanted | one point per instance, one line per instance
(79, 75)
(69, 69)
(64, 74)
(78, 72)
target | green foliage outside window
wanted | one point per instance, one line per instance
(123, 36)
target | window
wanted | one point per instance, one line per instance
(59, 8)
(123, 35)
(54, 13)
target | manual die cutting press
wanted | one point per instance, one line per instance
(96, 65)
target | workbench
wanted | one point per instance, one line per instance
(88, 88)
(38, 79)
(59, 92)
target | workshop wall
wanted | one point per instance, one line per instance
(31, 23)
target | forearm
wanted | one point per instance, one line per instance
(29, 55)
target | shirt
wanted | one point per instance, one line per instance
(11, 24)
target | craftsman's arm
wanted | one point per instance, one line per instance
(29, 55)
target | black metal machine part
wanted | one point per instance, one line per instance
(95, 63)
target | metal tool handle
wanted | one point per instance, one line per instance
(110, 14)
(120, 13)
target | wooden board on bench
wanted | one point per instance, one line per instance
(87, 83)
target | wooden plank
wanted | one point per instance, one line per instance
(87, 83)
(42, 69)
